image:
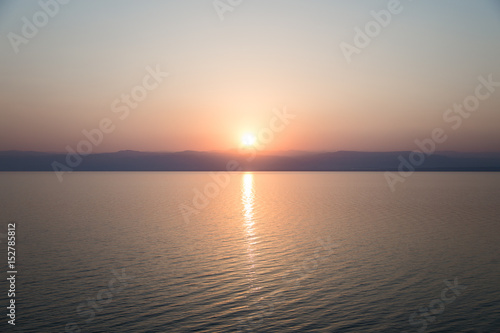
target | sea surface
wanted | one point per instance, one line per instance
(252, 252)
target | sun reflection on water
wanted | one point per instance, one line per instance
(248, 202)
(247, 199)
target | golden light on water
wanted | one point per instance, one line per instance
(247, 199)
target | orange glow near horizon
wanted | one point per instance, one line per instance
(198, 85)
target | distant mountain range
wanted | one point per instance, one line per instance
(232, 160)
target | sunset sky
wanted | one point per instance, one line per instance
(225, 77)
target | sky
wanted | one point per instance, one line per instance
(224, 71)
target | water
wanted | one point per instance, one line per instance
(270, 252)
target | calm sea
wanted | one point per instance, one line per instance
(253, 252)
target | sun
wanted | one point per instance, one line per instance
(248, 139)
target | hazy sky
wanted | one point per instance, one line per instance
(226, 76)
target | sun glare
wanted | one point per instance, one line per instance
(248, 139)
